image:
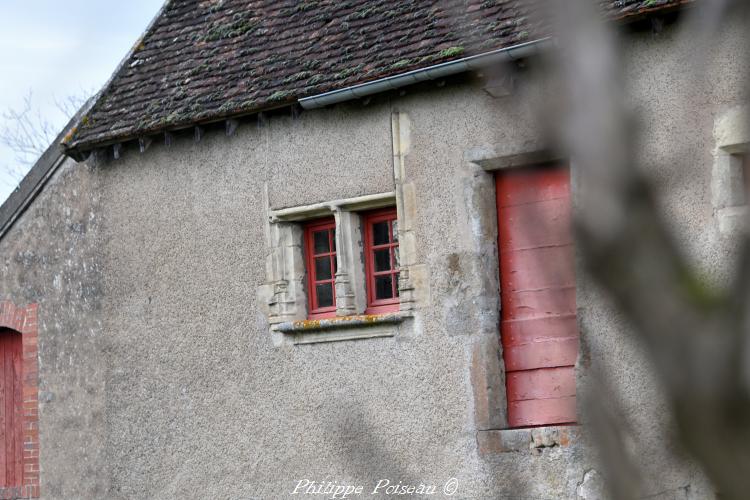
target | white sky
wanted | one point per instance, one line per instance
(55, 49)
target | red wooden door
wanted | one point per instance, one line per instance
(11, 440)
(537, 284)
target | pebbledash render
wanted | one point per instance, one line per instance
(282, 276)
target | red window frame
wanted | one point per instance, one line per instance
(314, 310)
(378, 306)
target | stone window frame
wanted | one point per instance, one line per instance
(285, 291)
(487, 371)
(729, 193)
(24, 321)
(282, 295)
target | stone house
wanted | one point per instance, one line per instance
(293, 246)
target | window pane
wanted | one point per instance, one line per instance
(396, 262)
(324, 293)
(383, 287)
(395, 277)
(394, 225)
(322, 268)
(383, 260)
(320, 242)
(380, 233)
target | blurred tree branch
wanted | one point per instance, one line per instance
(696, 335)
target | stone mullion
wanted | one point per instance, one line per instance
(350, 290)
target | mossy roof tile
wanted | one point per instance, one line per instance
(204, 59)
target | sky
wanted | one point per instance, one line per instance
(55, 49)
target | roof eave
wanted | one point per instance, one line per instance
(77, 149)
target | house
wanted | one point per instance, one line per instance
(301, 248)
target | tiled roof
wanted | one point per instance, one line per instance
(623, 8)
(204, 60)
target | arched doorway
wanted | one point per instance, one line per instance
(11, 409)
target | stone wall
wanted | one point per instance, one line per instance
(52, 258)
(161, 377)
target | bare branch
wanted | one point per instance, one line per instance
(28, 133)
(70, 104)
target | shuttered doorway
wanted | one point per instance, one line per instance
(11, 399)
(537, 284)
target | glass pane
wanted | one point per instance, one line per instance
(320, 242)
(324, 293)
(383, 260)
(396, 262)
(380, 233)
(395, 277)
(322, 268)
(383, 287)
(394, 225)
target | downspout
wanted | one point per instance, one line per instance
(435, 72)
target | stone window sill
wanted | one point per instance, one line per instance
(360, 326)
(530, 439)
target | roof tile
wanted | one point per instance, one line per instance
(207, 59)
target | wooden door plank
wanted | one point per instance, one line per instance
(4, 436)
(525, 331)
(532, 304)
(9, 397)
(539, 224)
(527, 185)
(536, 268)
(542, 412)
(546, 354)
(11, 409)
(542, 384)
(17, 424)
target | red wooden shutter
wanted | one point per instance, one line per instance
(537, 281)
(11, 437)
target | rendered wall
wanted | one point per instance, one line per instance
(156, 358)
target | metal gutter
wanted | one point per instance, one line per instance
(435, 72)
